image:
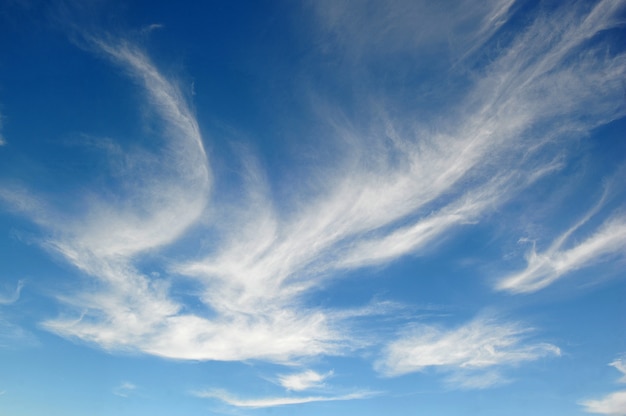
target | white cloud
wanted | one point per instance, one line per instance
(472, 354)
(620, 365)
(544, 268)
(124, 389)
(401, 185)
(278, 401)
(7, 299)
(376, 28)
(614, 403)
(303, 381)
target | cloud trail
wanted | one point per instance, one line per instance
(473, 354)
(454, 28)
(278, 401)
(401, 185)
(545, 268)
(165, 193)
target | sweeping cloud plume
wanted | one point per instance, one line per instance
(545, 268)
(606, 241)
(424, 122)
(401, 187)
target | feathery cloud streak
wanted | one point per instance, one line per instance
(402, 184)
(612, 404)
(473, 354)
(278, 401)
(459, 27)
(165, 194)
(605, 242)
(545, 268)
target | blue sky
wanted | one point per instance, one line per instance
(319, 207)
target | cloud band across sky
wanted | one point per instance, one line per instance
(178, 262)
(386, 204)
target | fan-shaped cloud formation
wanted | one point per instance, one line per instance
(400, 185)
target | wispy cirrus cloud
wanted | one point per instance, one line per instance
(124, 389)
(278, 401)
(303, 381)
(164, 193)
(472, 355)
(401, 185)
(7, 299)
(544, 268)
(614, 403)
(453, 28)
